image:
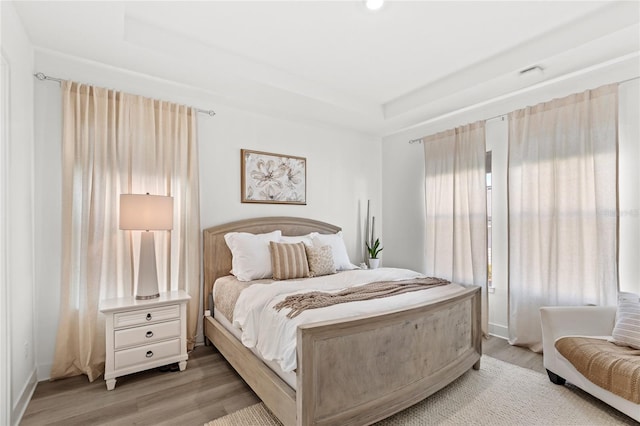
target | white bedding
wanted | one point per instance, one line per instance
(273, 335)
(289, 377)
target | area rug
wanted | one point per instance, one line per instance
(498, 394)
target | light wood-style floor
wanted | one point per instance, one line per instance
(209, 388)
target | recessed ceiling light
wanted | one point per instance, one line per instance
(374, 4)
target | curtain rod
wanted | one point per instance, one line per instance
(42, 77)
(419, 140)
(501, 116)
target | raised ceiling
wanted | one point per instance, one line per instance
(334, 62)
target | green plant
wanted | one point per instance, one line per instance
(374, 249)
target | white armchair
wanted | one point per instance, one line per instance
(596, 321)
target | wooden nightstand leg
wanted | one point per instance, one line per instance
(111, 384)
(182, 365)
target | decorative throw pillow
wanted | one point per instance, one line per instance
(288, 261)
(627, 329)
(320, 261)
(251, 257)
(338, 249)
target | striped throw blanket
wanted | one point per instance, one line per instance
(317, 299)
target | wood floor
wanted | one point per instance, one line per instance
(209, 388)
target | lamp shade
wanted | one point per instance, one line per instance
(146, 212)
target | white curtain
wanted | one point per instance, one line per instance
(456, 207)
(562, 208)
(115, 143)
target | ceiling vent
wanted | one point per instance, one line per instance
(532, 71)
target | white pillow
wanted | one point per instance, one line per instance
(251, 256)
(338, 249)
(306, 239)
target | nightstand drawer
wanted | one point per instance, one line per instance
(146, 316)
(146, 334)
(145, 354)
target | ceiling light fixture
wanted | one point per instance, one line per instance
(374, 4)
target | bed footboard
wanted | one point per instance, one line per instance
(361, 371)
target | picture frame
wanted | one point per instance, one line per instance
(271, 178)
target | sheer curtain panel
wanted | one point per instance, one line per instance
(456, 207)
(562, 208)
(115, 143)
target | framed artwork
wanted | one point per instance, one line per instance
(273, 178)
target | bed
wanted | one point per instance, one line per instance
(410, 353)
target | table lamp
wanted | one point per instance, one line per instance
(147, 213)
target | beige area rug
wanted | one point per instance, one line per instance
(498, 394)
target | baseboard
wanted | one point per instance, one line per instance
(499, 330)
(44, 372)
(25, 396)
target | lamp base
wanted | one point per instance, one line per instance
(147, 272)
(152, 296)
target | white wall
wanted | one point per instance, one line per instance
(342, 170)
(5, 378)
(629, 185)
(48, 219)
(18, 52)
(403, 207)
(403, 177)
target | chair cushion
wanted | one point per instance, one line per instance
(614, 368)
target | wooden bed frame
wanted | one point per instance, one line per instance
(355, 371)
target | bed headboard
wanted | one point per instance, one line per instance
(217, 256)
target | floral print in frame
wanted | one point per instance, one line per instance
(273, 178)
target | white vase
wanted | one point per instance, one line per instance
(374, 263)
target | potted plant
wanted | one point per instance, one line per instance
(374, 250)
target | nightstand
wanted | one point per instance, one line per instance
(144, 334)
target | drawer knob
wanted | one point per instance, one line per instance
(149, 334)
(149, 354)
(149, 317)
